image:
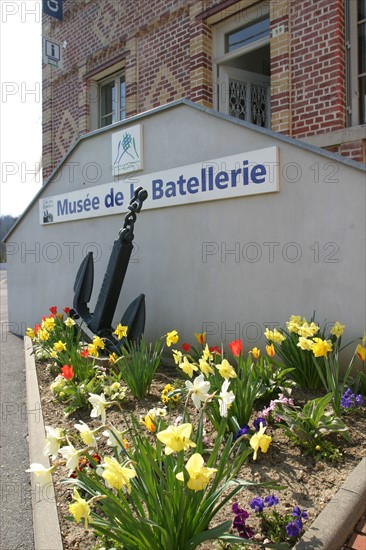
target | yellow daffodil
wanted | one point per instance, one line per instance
(206, 354)
(59, 346)
(308, 331)
(93, 350)
(53, 354)
(226, 370)
(187, 367)
(361, 352)
(293, 325)
(199, 475)
(113, 357)
(337, 330)
(305, 343)
(121, 331)
(321, 348)
(255, 352)
(270, 350)
(171, 338)
(86, 434)
(80, 509)
(364, 340)
(205, 367)
(260, 441)
(200, 337)
(69, 322)
(177, 356)
(43, 335)
(30, 333)
(117, 476)
(296, 319)
(274, 336)
(98, 342)
(48, 324)
(176, 438)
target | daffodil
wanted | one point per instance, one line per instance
(260, 441)
(43, 335)
(293, 326)
(308, 331)
(54, 354)
(321, 348)
(206, 354)
(176, 438)
(86, 434)
(41, 473)
(71, 455)
(337, 330)
(48, 324)
(93, 350)
(59, 346)
(187, 367)
(305, 343)
(117, 476)
(69, 322)
(121, 331)
(226, 370)
(177, 356)
(115, 439)
(98, 342)
(199, 475)
(274, 336)
(30, 333)
(113, 357)
(205, 367)
(225, 398)
(198, 390)
(99, 404)
(80, 508)
(171, 338)
(53, 441)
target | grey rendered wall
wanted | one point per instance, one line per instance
(229, 267)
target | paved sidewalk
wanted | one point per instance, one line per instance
(16, 524)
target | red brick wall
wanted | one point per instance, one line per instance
(317, 66)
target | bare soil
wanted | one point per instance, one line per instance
(309, 484)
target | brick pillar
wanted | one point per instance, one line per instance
(200, 58)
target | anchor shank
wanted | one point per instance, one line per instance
(111, 287)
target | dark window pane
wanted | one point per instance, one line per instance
(362, 99)
(122, 98)
(107, 99)
(362, 48)
(246, 35)
(361, 9)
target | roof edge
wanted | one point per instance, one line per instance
(187, 102)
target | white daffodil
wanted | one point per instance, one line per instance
(115, 438)
(53, 441)
(100, 404)
(198, 390)
(41, 473)
(71, 455)
(225, 398)
(86, 434)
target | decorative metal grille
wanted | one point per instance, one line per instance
(249, 101)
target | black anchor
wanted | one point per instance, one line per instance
(100, 322)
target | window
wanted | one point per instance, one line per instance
(112, 99)
(356, 61)
(242, 65)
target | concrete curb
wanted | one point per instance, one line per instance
(336, 522)
(46, 526)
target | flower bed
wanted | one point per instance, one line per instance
(262, 453)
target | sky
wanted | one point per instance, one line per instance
(20, 103)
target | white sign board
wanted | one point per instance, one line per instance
(244, 174)
(52, 52)
(127, 150)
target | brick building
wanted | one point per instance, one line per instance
(294, 66)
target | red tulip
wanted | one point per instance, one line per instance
(67, 372)
(236, 347)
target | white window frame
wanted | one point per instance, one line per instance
(352, 76)
(97, 81)
(220, 30)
